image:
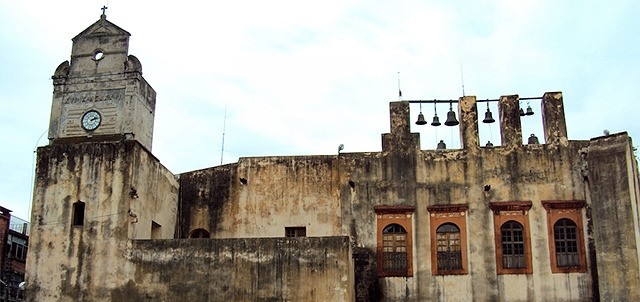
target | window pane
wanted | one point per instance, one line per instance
(449, 255)
(513, 256)
(566, 242)
(394, 252)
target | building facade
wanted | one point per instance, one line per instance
(14, 232)
(552, 221)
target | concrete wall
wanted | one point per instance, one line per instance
(278, 193)
(613, 187)
(268, 269)
(84, 262)
(259, 197)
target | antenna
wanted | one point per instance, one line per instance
(462, 78)
(399, 90)
(33, 170)
(224, 127)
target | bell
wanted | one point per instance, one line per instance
(451, 118)
(441, 145)
(529, 111)
(421, 120)
(533, 139)
(488, 117)
(489, 144)
(521, 112)
(436, 121)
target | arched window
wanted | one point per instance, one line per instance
(566, 236)
(448, 246)
(566, 243)
(394, 248)
(513, 249)
(199, 233)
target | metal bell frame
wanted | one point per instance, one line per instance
(451, 115)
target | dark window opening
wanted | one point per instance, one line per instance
(394, 249)
(17, 248)
(566, 242)
(78, 213)
(513, 245)
(448, 247)
(295, 232)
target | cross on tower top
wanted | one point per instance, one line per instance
(104, 9)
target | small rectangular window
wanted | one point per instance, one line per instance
(78, 213)
(295, 232)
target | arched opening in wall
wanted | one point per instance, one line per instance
(434, 133)
(531, 121)
(199, 233)
(78, 214)
(489, 124)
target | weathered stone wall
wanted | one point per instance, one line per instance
(267, 269)
(533, 173)
(259, 197)
(613, 187)
(123, 188)
(203, 197)
(420, 179)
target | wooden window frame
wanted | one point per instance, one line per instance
(453, 214)
(396, 241)
(400, 215)
(504, 212)
(572, 210)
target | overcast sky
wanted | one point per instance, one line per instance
(302, 77)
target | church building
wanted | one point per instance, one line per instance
(548, 220)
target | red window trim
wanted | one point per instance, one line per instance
(504, 212)
(572, 210)
(454, 214)
(401, 215)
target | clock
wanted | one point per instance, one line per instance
(91, 120)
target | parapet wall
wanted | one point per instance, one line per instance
(246, 269)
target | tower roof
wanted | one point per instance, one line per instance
(102, 27)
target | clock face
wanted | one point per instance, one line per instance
(91, 120)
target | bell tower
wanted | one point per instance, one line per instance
(97, 184)
(101, 94)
